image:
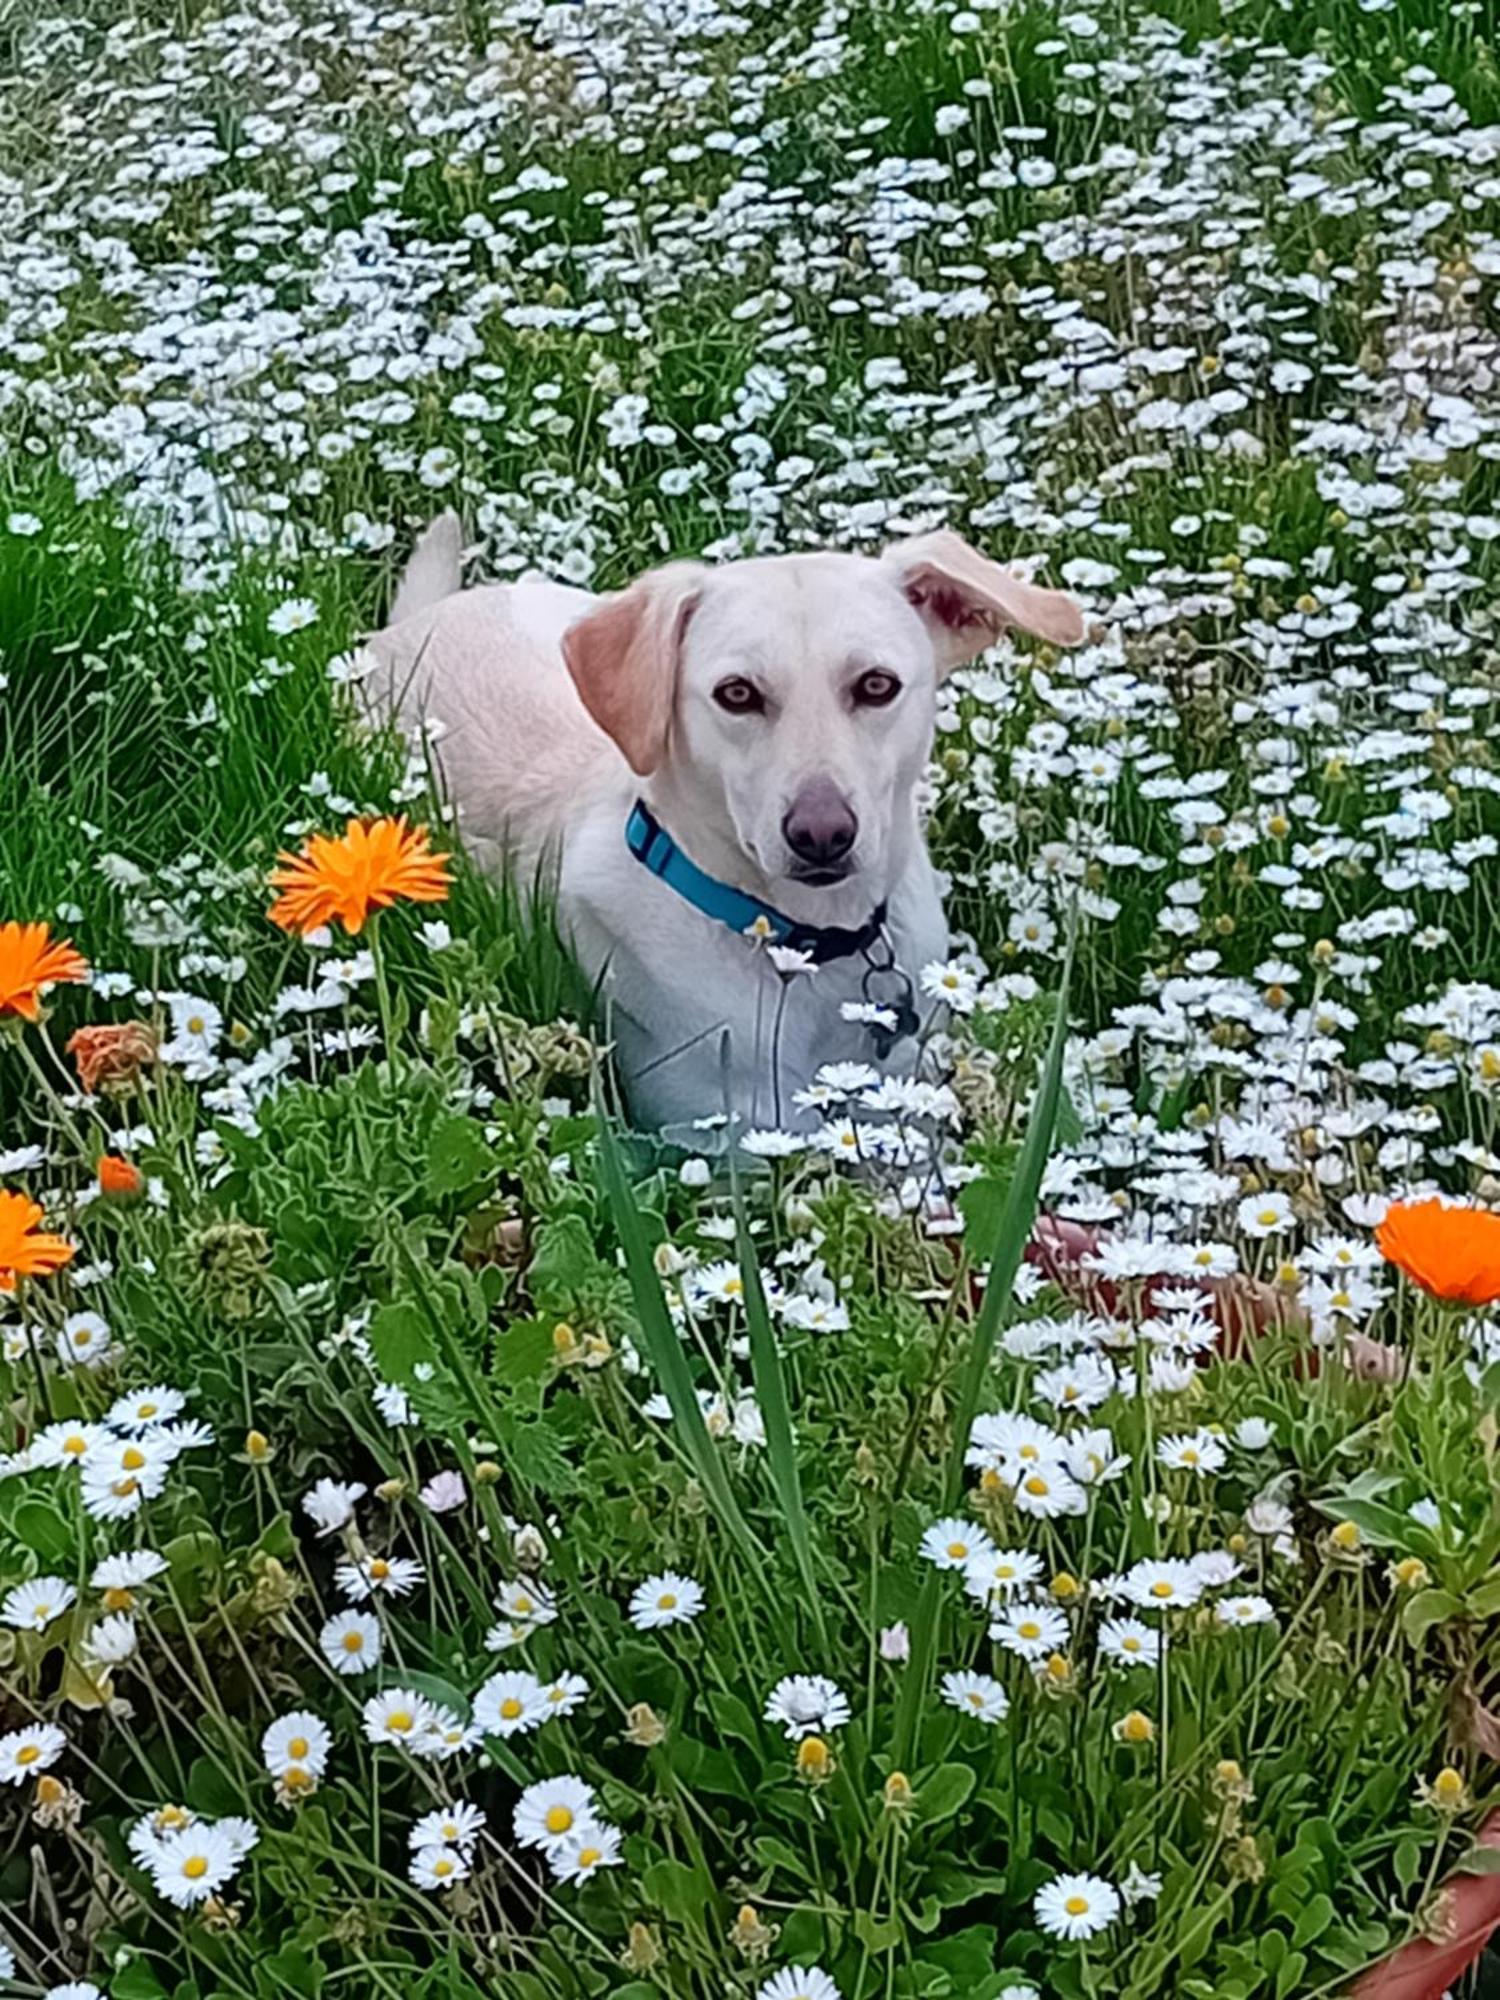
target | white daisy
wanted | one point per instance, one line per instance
(438, 1867)
(1250, 1610)
(554, 1814)
(25, 1752)
(509, 1704)
(399, 1715)
(351, 1642)
(595, 1848)
(1031, 1631)
(999, 1574)
(1129, 1643)
(667, 1599)
(954, 1544)
(798, 1982)
(31, 1607)
(1165, 1585)
(299, 1740)
(807, 1705)
(191, 1864)
(385, 1576)
(145, 1410)
(457, 1826)
(978, 1695)
(1199, 1452)
(1076, 1906)
(331, 1503)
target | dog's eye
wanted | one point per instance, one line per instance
(739, 697)
(876, 688)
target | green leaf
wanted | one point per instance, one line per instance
(1313, 1919)
(523, 1352)
(1428, 1608)
(38, 1526)
(878, 1934)
(136, 1981)
(1480, 1861)
(664, 1350)
(1288, 1980)
(969, 1953)
(677, 1891)
(437, 1690)
(941, 1795)
(1407, 1861)
(458, 1156)
(1484, 1599)
(1385, 1526)
(399, 1342)
(733, 1717)
(565, 1260)
(297, 1970)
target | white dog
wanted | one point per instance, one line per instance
(724, 764)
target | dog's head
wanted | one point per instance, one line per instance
(782, 707)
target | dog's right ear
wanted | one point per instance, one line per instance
(624, 656)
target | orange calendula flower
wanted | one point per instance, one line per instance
(1453, 1253)
(31, 958)
(372, 864)
(25, 1250)
(118, 1177)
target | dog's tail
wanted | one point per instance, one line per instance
(435, 570)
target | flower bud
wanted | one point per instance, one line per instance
(644, 1727)
(815, 1765)
(899, 1796)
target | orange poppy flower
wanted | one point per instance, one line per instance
(1453, 1253)
(372, 864)
(25, 1250)
(29, 960)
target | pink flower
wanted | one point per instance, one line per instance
(895, 1643)
(444, 1492)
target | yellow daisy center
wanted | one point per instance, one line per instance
(559, 1819)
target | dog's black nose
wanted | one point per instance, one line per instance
(820, 826)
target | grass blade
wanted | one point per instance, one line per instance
(1011, 1234)
(770, 1388)
(662, 1346)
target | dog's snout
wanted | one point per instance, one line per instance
(820, 826)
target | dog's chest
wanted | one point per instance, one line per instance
(678, 989)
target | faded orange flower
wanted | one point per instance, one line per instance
(25, 1250)
(372, 864)
(30, 958)
(112, 1052)
(1453, 1253)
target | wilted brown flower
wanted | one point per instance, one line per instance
(112, 1055)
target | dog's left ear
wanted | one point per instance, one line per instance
(966, 601)
(624, 655)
